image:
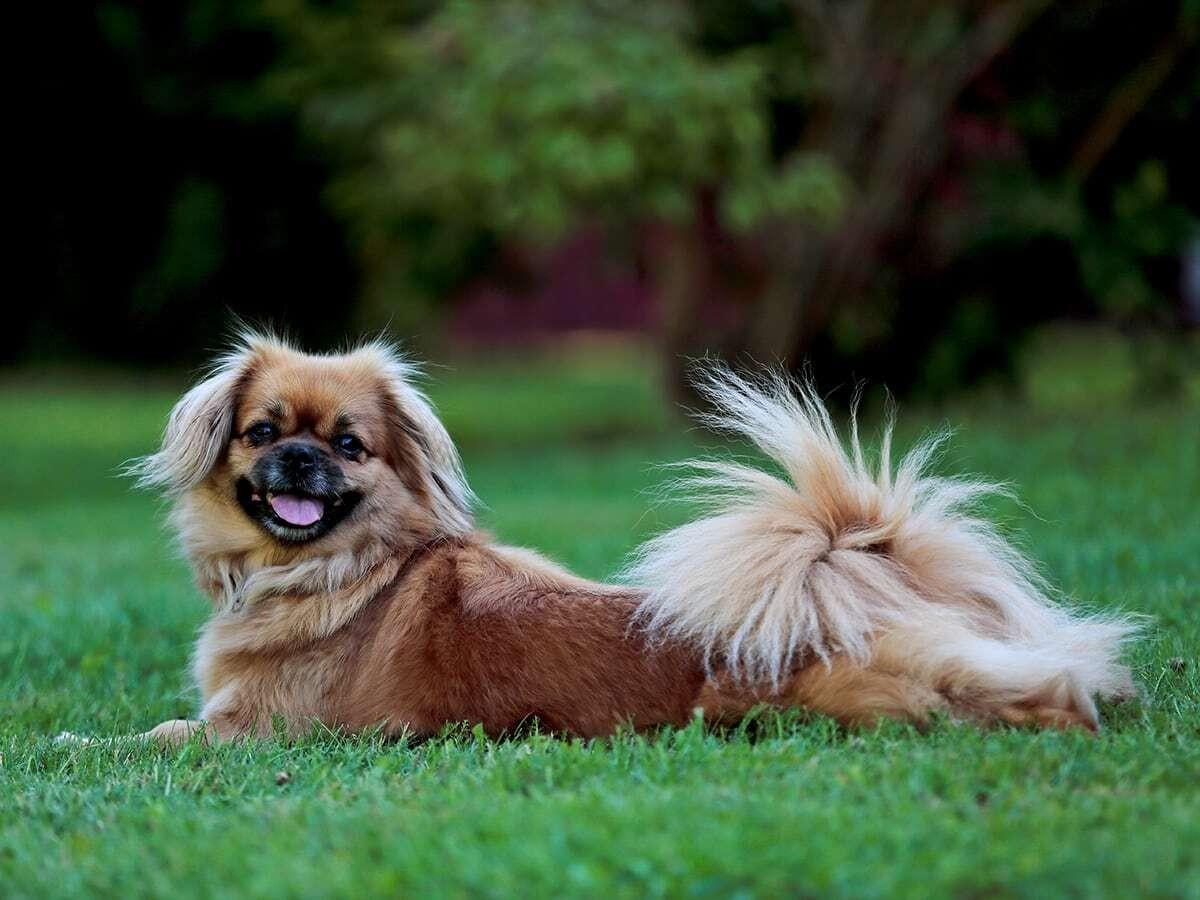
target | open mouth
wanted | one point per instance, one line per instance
(293, 515)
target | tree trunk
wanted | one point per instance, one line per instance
(684, 281)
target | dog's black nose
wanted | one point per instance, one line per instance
(298, 459)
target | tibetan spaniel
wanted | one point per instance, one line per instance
(325, 513)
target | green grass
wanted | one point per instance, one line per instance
(96, 617)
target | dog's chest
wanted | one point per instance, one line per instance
(253, 685)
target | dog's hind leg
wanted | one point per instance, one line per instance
(852, 694)
(855, 694)
(1044, 716)
(991, 679)
(862, 695)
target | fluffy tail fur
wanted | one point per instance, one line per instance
(887, 566)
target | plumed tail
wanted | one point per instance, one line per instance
(836, 555)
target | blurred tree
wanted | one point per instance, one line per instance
(820, 150)
(932, 111)
(894, 188)
(522, 120)
(886, 77)
(1074, 191)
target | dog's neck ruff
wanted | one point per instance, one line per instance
(237, 581)
(288, 617)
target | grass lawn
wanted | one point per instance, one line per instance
(96, 618)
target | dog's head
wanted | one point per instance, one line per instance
(308, 452)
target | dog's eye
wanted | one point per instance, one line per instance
(261, 433)
(347, 445)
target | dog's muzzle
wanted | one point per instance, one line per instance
(297, 492)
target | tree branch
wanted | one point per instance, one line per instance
(1128, 99)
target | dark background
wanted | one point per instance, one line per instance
(907, 191)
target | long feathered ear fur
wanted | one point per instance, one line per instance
(446, 484)
(201, 423)
(843, 557)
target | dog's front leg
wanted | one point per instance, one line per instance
(171, 733)
(213, 728)
(175, 732)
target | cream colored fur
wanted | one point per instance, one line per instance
(891, 567)
(200, 425)
(232, 562)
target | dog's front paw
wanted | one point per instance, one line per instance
(70, 737)
(175, 732)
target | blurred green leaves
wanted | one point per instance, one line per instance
(526, 118)
(192, 249)
(1113, 247)
(885, 188)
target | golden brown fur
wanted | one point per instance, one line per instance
(851, 595)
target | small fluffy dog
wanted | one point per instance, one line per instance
(324, 511)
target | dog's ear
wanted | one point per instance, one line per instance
(449, 495)
(422, 452)
(198, 429)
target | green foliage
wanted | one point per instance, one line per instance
(1139, 224)
(855, 183)
(526, 118)
(99, 614)
(811, 185)
(461, 127)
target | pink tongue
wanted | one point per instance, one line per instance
(301, 511)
